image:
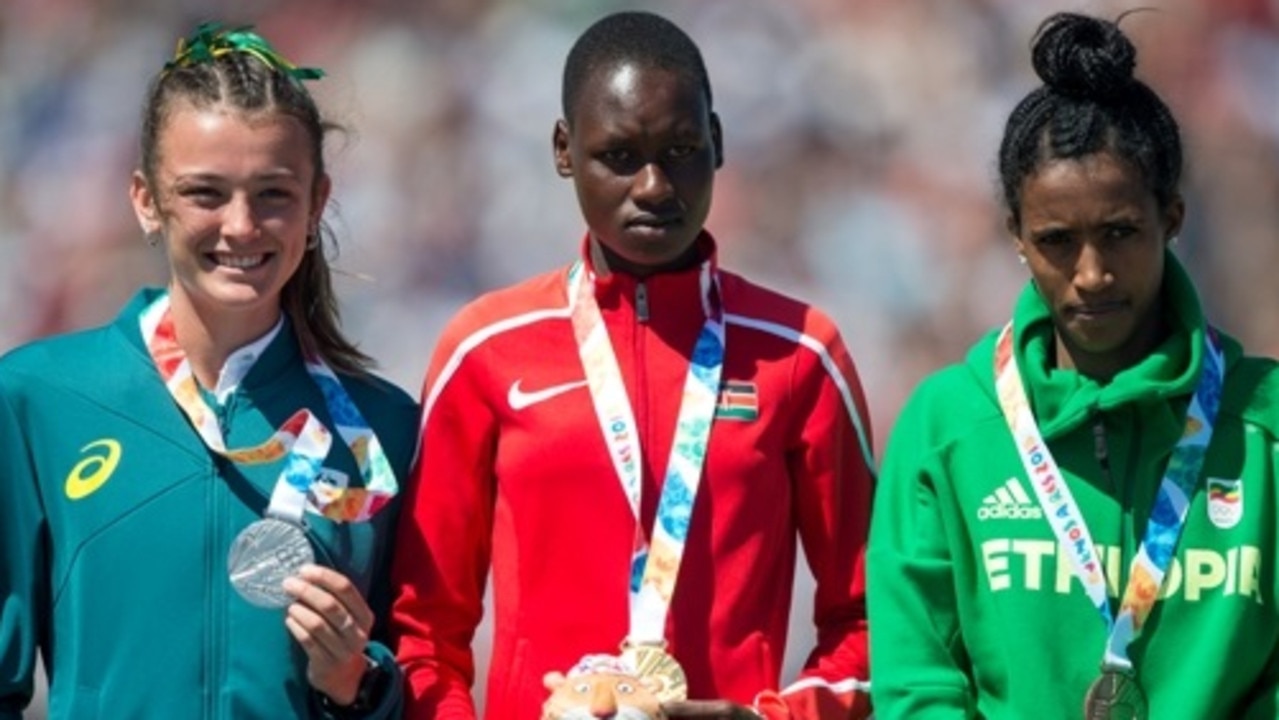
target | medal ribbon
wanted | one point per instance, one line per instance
(655, 565)
(1167, 517)
(302, 441)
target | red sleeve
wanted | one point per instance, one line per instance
(833, 476)
(444, 540)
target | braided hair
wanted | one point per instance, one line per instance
(1090, 102)
(238, 69)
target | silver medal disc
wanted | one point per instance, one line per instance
(262, 556)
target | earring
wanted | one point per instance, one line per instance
(312, 241)
(153, 238)
(1172, 241)
(1021, 258)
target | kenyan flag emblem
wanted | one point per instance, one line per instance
(737, 401)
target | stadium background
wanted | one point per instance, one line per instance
(860, 140)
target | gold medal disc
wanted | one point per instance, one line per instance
(652, 662)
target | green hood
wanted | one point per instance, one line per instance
(1062, 399)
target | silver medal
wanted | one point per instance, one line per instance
(262, 556)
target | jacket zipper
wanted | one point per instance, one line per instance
(640, 402)
(1124, 494)
(1101, 451)
(641, 301)
(217, 599)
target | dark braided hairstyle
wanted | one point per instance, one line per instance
(641, 37)
(239, 70)
(1089, 102)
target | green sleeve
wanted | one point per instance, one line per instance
(23, 565)
(918, 663)
(1264, 698)
(401, 437)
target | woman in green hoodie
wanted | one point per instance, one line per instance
(1080, 520)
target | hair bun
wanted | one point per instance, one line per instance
(1083, 57)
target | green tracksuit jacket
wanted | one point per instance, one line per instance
(115, 523)
(974, 610)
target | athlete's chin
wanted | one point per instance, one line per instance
(241, 296)
(661, 252)
(1099, 341)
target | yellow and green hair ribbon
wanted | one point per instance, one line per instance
(210, 41)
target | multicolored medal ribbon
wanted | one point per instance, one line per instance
(1116, 692)
(273, 548)
(655, 564)
(302, 440)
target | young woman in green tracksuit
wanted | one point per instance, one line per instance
(1080, 520)
(198, 498)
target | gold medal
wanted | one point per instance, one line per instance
(653, 664)
(1115, 696)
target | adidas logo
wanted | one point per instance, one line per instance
(1009, 502)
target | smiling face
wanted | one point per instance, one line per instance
(642, 147)
(1093, 237)
(235, 197)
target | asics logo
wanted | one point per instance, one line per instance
(1009, 502)
(518, 399)
(93, 471)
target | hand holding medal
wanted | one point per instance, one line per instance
(332, 622)
(708, 710)
(644, 657)
(263, 555)
(274, 548)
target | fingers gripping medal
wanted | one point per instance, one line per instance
(272, 549)
(1115, 696)
(275, 547)
(263, 555)
(655, 561)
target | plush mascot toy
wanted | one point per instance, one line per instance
(601, 686)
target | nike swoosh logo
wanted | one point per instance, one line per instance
(518, 399)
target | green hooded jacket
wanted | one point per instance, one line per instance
(974, 609)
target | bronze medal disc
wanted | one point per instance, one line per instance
(263, 554)
(1115, 696)
(651, 662)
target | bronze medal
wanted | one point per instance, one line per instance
(1115, 696)
(653, 663)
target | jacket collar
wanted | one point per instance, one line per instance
(672, 291)
(1062, 399)
(275, 358)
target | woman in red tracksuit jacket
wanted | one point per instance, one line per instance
(531, 468)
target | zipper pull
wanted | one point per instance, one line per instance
(1101, 449)
(641, 302)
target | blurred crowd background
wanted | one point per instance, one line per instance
(860, 140)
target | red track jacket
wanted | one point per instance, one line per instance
(514, 474)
